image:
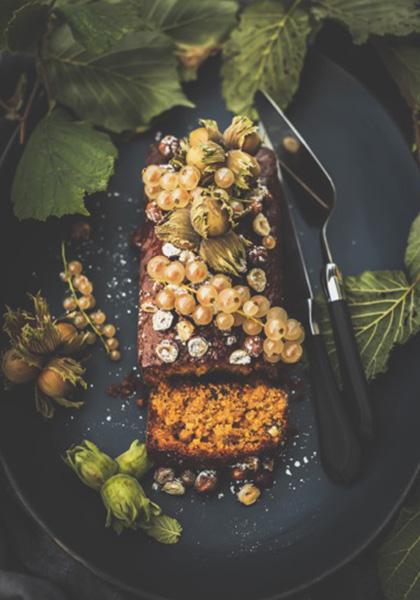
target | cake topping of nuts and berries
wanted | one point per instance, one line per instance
(209, 274)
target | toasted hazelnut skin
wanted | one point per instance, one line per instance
(206, 482)
(238, 473)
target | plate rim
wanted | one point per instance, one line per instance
(118, 583)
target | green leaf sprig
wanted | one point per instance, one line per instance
(109, 64)
(384, 307)
(117, 481)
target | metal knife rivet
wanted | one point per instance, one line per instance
(291, 144)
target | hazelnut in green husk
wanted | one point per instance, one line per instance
(205, 154)
(209, 216)
(57, 381)
(16, 369)
(126, 504)
(225, 254)
(92, 466)
(177, 230)
(245, 168)
(208, 132)
(134, 461)
(242, 134)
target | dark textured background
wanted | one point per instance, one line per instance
(33, 567)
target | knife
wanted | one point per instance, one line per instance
(311, 180)
(340, 450)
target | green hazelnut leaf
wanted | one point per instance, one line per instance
(62, 161)
(26, 26)
(385, 311)
(412, 253)
(121, 88)
(97, 26)
(266, 52)
(188, 21)
(371, 17)
(197, 28)
(399, 557)
(164, 529)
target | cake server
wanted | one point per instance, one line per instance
(300, 162)
(339, 446)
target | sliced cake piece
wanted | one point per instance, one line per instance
(215, 423)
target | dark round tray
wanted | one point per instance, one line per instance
(305, 527)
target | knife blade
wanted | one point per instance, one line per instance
(340, 450)
(309, 177)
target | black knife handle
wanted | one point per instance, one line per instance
(352, 372)
(340, 449)
(354, 378)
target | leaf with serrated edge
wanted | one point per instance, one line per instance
(164, 529)
(120, 89)
(412, 253)
(399, 557)
(266, 52)
(100, 25)
(62, 161)
(371, 17)
(385, 311)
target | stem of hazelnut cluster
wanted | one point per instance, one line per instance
(74, 295)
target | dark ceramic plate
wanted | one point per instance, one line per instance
(305, 527)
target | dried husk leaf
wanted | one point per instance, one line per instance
(209, 217)
(68, 369)
(178, 230)
(242, 134)
(245, 168)
(208, 154)
(212, 129)
(225, 254)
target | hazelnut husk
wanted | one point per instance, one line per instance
(16, 369)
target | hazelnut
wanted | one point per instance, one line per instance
(163, 474)
(174, 488)
(253, 345)
(291, 144)
(257, 279)
(258, 255)
(260, 225)
(168, 146)
(205, 482)
(248, 494)
(252, 463)
(188, 477)
(153, 212)
(238, 473)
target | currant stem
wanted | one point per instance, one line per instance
(74, 295)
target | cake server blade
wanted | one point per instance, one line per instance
(315, 196)
(339, 447)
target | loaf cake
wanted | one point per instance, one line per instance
(215, 423)
(211, 288)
